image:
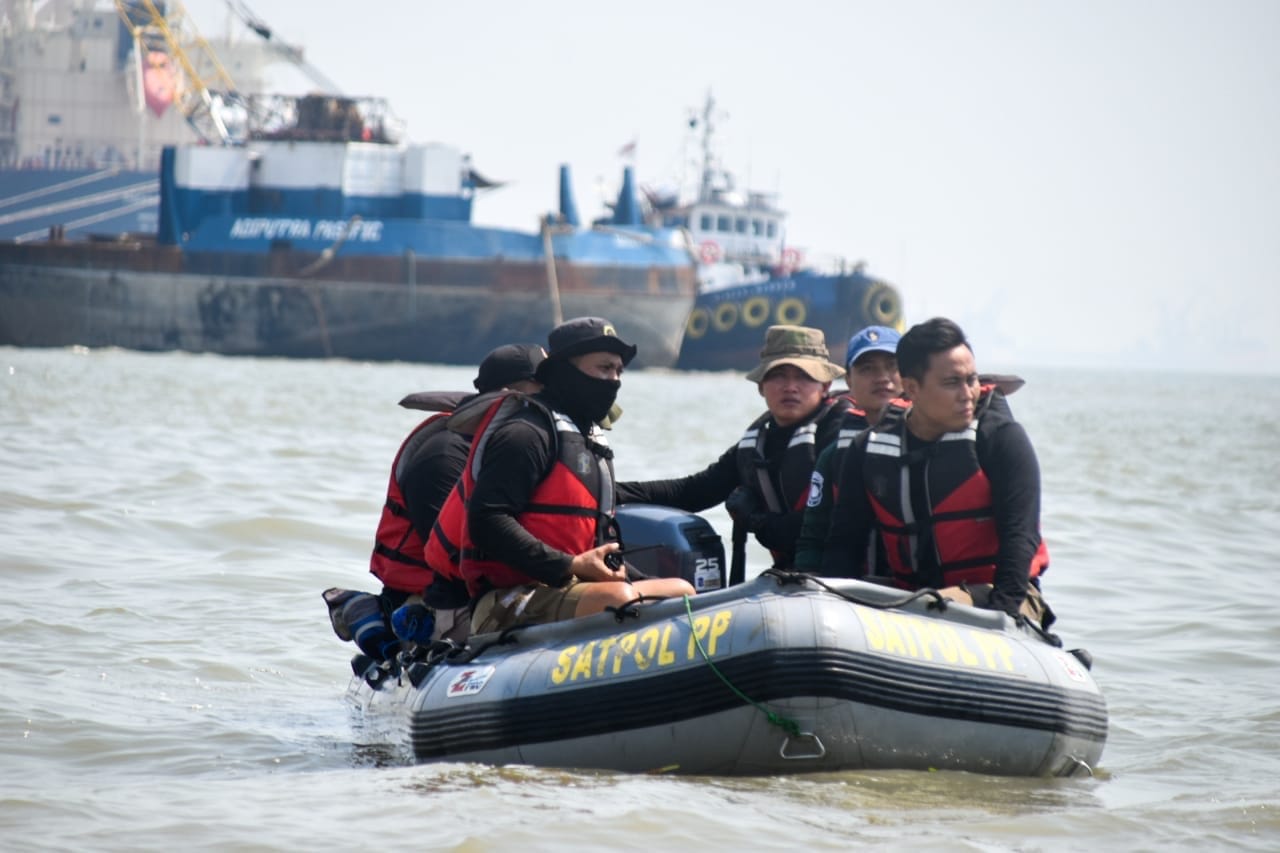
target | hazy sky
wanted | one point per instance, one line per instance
(1094, 182)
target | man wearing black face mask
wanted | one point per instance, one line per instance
(541, 492)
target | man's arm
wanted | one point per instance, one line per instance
(693, 493)
(1010, 463)
(516, 459)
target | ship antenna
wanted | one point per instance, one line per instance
(704, 192)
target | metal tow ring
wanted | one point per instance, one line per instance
(817, 750)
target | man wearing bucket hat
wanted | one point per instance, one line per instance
(763, 479)
(541, 492)
(423, 472)
(871, 373)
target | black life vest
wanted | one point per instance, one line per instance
(783, 485)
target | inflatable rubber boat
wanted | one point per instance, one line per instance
(786, 673)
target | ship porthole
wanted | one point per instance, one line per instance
(699, 319)
(726, 315)
(755, 311)
(881, 304)
(791, 312)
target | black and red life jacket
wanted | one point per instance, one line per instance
(960, 527)
(570, 509)
(397, 558)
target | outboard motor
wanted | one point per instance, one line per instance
(670, 543)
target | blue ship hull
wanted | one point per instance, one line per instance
(726, 328)
(333, 249)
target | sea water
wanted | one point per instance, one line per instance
(170, 679)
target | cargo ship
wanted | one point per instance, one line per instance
(300, 226)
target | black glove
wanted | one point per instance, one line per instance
(744, 509)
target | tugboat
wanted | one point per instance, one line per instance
(750, 276)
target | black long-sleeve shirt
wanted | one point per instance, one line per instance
(777, 531)
(1009, 462)
(518, 456)
(430, 476)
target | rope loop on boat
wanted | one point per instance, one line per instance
(787, 724)
(630, 608)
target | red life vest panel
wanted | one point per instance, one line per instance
(443, 551)
(444, 545)
(960, 525)
(397, 558)
(566, 508)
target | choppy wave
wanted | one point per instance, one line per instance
(170, 521)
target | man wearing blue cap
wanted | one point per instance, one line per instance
(871, 371)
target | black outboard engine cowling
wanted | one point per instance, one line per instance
(670, 543)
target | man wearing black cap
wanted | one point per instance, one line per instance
(541, 492)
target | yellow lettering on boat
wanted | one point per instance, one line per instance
(699, 633)
(946, 643)
(561, 672)
(626, 645)
(871, 627)
(655, 646)
(605, 645)
(648, 638)
(719, 625)
(582, 666)
(665, 656)
(907, 625)
(910, 636)
(994, 648)
(892, 639)
(920, 631)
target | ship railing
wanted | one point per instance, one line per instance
(135, 197)
(85, 221)
(71, 184)
(330, 118)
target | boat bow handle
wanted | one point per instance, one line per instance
(803, 745)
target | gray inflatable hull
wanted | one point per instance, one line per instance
(763, 678)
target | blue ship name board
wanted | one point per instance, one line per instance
(265, 228)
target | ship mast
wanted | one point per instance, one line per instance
(706, 185)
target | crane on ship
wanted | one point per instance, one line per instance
(208, 92)
(204, 96)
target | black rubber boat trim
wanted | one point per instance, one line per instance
(663, 698)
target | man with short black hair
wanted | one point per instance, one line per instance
(951, 486)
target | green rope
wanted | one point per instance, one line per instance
(787, 724)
